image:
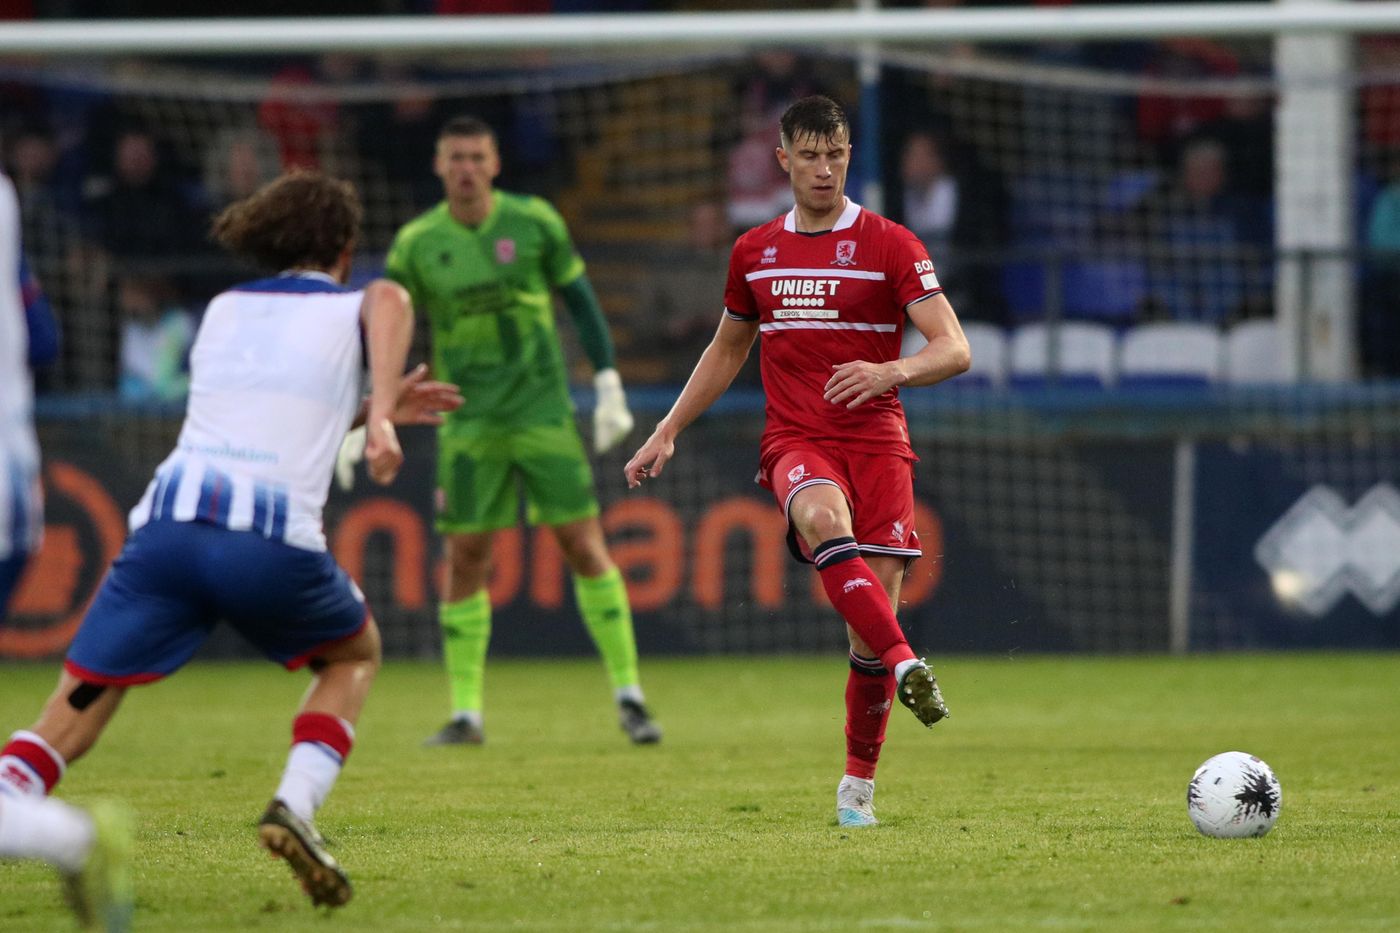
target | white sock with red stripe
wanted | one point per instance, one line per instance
(36, 827)
(29, 766)
(320, 744)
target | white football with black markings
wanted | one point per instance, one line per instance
(1234, 795)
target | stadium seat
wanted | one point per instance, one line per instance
(988, 345)
(1170, 353)
(1255, 354)
(1084, 355)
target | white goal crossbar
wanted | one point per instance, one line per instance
(807, 27)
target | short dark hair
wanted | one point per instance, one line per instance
(467, 126)
(817, 116)
(301, 219)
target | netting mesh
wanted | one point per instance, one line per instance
(1113, 184)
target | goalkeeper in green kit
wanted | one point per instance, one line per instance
(482, 266)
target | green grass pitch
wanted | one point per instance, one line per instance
(1054, 798)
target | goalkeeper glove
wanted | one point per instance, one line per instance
(352, 451)
(611, 419)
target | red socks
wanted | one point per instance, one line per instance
(330, 732)
(861, 600)
(869, 692)
(29, 765)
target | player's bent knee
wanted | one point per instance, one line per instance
(365, 649)
(469, 550)
(821, 523)
(819, 513)
(588, 558)
(469, 566)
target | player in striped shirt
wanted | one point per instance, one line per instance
(230, 527)
(829, 286)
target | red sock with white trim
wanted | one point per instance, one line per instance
(320, 744)
(856, 593)
(29, 766)
(869, 691)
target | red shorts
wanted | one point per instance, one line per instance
(879, 489)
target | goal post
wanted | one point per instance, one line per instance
(819, 27)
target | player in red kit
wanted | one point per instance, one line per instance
(830, 287)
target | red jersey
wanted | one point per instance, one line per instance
(822, 299)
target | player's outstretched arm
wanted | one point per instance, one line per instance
(387, 315)
(421, 400)
(946, 355)
(718, 366)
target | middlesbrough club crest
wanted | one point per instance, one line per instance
(845, 253)
(505, 251)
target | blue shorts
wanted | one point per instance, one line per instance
(11, 568)
(174, 581)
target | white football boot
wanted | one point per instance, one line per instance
(855, 802)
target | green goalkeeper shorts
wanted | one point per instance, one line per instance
(481, 475)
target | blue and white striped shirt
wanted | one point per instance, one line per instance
(275, 377)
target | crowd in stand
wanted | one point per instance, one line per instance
(1174, 222)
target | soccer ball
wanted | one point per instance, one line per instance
(1234, 795)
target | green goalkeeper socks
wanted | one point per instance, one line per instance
(608, 616)
(466, 630)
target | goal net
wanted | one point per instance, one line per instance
(1113, 185)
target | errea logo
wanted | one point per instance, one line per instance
(770, 256)
(855, 583)
(18, 779)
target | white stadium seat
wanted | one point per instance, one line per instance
(1170, 353)
(1255, 354)
(1084, 354)
(987, 343)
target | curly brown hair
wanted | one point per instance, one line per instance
(303, 219)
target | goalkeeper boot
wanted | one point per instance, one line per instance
(918, 690)
(457, 732)
(637, 723)
(855, 802)
(287, 836)
(100, 891)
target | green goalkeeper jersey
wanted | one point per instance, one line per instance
(487, 293)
